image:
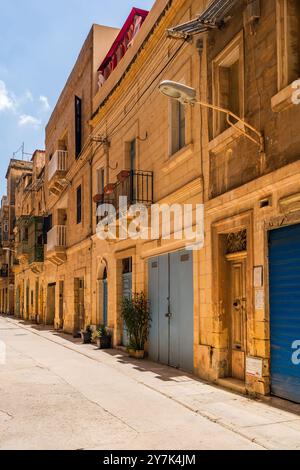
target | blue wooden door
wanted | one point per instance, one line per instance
(172, 308)
(159, 301)
(284, 269)
(127, 293)
(105, 297)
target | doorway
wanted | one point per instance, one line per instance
(61, 304)
(237, 314)
(127, 292)
(171, 294)
(79, 305)
(51, 304)
(284, 288)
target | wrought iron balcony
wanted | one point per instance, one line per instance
(56, 244)
(36, 240)
(22, 246)
(22, 250)
(137, 186)
(57, 170)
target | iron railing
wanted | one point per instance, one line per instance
(137, 187)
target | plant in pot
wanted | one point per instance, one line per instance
(86, 335)
(136, 316)
(102, 337)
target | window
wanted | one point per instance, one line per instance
(178, 126)
(288, 40)
(132, 154)
(100, 180)
(228, 83)
(78, 126)
(78, 205)
(127, 266)
(24, 234)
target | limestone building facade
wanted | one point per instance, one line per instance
(228, 311)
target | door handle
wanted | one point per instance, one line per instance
(168, 315)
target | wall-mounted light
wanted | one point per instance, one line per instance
(187, 96)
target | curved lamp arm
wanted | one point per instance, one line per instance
(259, 142)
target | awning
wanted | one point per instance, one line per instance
(213, 17)
(122, 33)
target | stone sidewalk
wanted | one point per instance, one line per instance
(131, 388)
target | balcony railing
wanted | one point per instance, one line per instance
(36, 240)
(57, 237)
(58, 163)
(137, 186)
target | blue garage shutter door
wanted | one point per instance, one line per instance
(284, 266)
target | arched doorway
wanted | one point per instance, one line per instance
(102, 304)
(105, 296)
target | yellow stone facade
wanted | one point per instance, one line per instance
(246, 192)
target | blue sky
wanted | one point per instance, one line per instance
(40, 41)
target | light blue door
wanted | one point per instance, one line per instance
(127, 293)
(171, 295)
(105, 316)
(159, 304)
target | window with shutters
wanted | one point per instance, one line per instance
(78, 205)
(78, 126)
(177, 126)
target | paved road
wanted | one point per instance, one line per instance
(58, 394)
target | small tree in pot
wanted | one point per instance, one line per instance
(86, 335)
(102, 337)
(136, 316)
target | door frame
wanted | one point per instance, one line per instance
(220, 230)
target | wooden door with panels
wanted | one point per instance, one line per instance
(237, 314)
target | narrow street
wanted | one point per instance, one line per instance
(58, 394)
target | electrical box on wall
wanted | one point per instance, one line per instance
(253, 10)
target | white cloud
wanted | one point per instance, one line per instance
(28, 96)
(7, 101)
(45, 102)
(27, 120)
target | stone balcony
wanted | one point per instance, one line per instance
(57, 244)
(57, 170)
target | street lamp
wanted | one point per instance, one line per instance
(187, 95)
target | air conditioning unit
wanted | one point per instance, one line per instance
(253, 10)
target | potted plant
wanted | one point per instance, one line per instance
(102, 337)
(86, 335)
(98, 198)
(136, 316)
(123, 175)
(109, 188)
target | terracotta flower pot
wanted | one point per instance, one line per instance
(98, 198)
(123, 175)
(109, 188)
(137, 354)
